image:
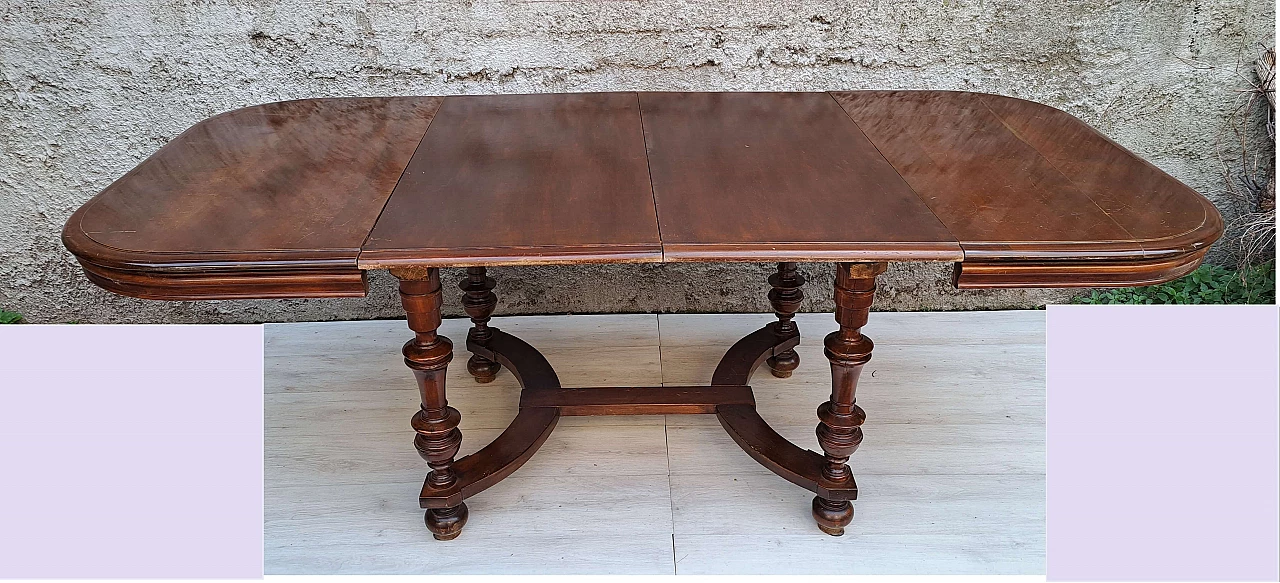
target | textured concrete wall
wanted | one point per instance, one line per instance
(88, 89)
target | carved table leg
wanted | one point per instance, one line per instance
(479, 300)
(785, 297)
(839, 431)
(428, 355)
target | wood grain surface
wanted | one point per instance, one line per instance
(297, 199)
(778, 176)
(523, 179)
(273, 200)
(1035, 196)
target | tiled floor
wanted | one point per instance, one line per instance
(951, 472)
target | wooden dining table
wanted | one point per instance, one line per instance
(300, 199)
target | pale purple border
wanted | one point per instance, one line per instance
(1162, 443)
(131, 451)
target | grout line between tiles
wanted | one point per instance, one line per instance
(662, 378)
(671, 498)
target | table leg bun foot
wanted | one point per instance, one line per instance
(479, 301)
(832, 515)
(483, 369)
(785, 297)
(783, 363)
(446, 523)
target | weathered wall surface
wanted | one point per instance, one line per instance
(88, 89)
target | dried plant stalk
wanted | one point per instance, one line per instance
(1246, 155)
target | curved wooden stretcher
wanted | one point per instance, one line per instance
(301, 198)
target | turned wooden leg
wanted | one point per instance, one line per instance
(428, 355)
(840, 419)
(479, 300)
(785, 297)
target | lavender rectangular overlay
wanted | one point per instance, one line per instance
(1162, 443)
(131, 451)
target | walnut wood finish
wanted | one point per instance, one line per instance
(551, 178)
(479, 301)
(529, 367)
(1036, 197)
(839, 431)
(786, 298)
(799, 466)
(840, 418)
(543, 401)
(297, 199)
(746, 355)
(639, 400)
(527, 432)
(428, 355)
(267, 201)
(1003, 274)
(778, 176)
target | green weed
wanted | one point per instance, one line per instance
(1208, 284)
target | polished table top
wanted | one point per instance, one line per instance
(298, 198)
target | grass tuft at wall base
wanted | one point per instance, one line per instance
(1208, 284)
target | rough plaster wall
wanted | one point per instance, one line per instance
(88, 89)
